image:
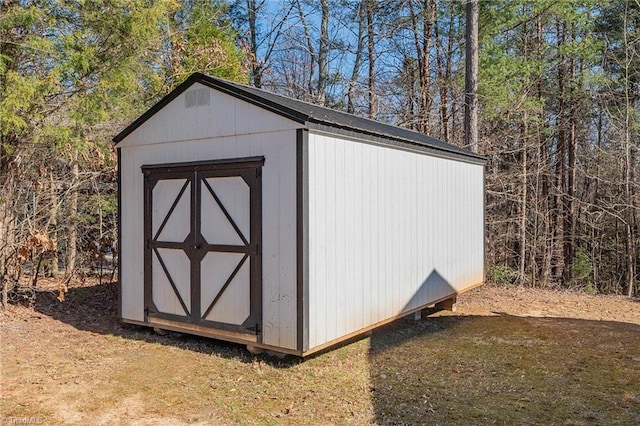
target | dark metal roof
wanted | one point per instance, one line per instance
(310, 115)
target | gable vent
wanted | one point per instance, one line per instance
(196, 98)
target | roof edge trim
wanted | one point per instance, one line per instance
(459, 154)
(263, 103)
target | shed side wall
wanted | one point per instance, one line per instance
(175, 135)
(389, 231)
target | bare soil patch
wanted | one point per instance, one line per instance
(507, 356)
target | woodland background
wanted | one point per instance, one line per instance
(559, 96)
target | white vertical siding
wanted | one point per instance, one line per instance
(227, 128)
(389, 231)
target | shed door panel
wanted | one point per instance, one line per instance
(225, 288)
(202, 259)
(171, 210)
(229, 208)
(171, 228)
(225, 208)
(171, 288)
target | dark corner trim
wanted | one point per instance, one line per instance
(484, 224)
(119, 221)
(302, 243)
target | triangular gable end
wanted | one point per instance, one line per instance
(196, 111)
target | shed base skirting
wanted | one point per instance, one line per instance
(255, 347)
(228, 336)
(358, 333)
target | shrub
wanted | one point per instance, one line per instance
(501, 274)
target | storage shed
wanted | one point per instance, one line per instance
(271, 222)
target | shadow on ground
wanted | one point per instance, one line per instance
(94, 309)
(507, 370)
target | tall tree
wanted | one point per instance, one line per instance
(69, 74)
(263, 32)
(323, 51)
(471, 77)
(63, 70)
(201, 38)
(445, 42)
(620, 29)
(370, 7)
(423, 21)
(360, 15)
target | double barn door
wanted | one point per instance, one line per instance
(203, 243)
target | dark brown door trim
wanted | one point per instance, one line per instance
(195, 247)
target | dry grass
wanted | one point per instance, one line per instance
(72, 363)
(507, 370)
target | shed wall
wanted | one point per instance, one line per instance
(178, 134)
(389, 231)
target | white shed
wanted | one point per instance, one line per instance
(267, 221)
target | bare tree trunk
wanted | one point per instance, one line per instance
(630, 270)
(311, 49)
(523, 202)
(323, 51)
(4, 249)
(569, 226)
(429, 12)
(358, 59)
(373, 104)
(423, 50)
(256, 67)
(471, 77)
(266, 41)
(522, 143)
(53, 226)
(10, 50)
(560, 172)
(72, 233)
(545, 166)
(597, 237)
(7, 231)
(444, 72)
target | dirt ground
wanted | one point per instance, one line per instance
(523, 301)
(72, 362)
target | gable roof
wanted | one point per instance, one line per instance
(309, 115)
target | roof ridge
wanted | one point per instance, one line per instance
(303, 112)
